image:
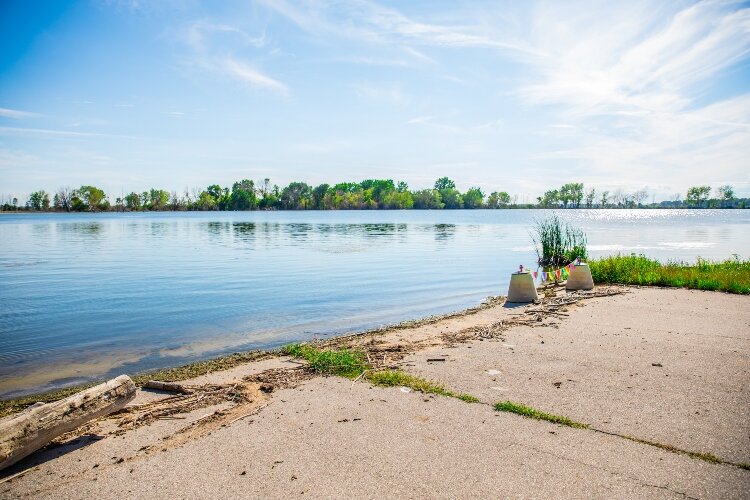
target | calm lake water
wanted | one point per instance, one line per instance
(88, 296)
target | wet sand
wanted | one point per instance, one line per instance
(670, 367)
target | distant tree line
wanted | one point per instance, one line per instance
(368, 194)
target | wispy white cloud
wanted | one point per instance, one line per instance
(432, 121)
(200, 35)
(213, 46)
(253, 77)
(21, 131)
(632, 99)
(627, 83)
(16, 114)
(370, 61)
(368, 21)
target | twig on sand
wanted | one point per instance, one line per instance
(360, 375)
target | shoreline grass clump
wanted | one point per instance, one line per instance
(343, 362)
(558, 243)
(399, 378)
(731, 275)
(529, 412)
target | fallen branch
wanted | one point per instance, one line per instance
(167, 386)
(23, 434)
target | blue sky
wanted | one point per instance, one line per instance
(512, 96)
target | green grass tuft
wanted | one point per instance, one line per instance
(468, 398)
(731, 275)
(399, 378)
(527, 411)
(344, 363)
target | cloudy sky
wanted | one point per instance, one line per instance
(513, 96)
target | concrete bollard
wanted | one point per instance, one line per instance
(580, 278)
(522, 288)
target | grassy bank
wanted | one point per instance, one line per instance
(731, 275)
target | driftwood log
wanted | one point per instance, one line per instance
(23, 434)
(167, 386)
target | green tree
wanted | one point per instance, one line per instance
(297, 196)
(725, 193)
(133, 202)
(269, 201)
(473, 198)
(378, 190)
(92, 197)
(398, 200)
(156, 199)
(205, 201)
(444, 183)
(551, 199)
(39, 200)
(427, 199)
(498, 200)
(452, 198)
(318, 194)
(220, 196)
(697, 195)
(571, 193)
(243, 196)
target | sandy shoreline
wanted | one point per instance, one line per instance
(666, 367)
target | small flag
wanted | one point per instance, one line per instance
(557, 274)
(544, 276)
(535, 274)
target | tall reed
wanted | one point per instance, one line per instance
(558, 243)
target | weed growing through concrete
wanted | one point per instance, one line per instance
(527, 411)
(398, 378)
(706, 457)
(468, 398)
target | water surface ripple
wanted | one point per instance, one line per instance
(92, 295)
